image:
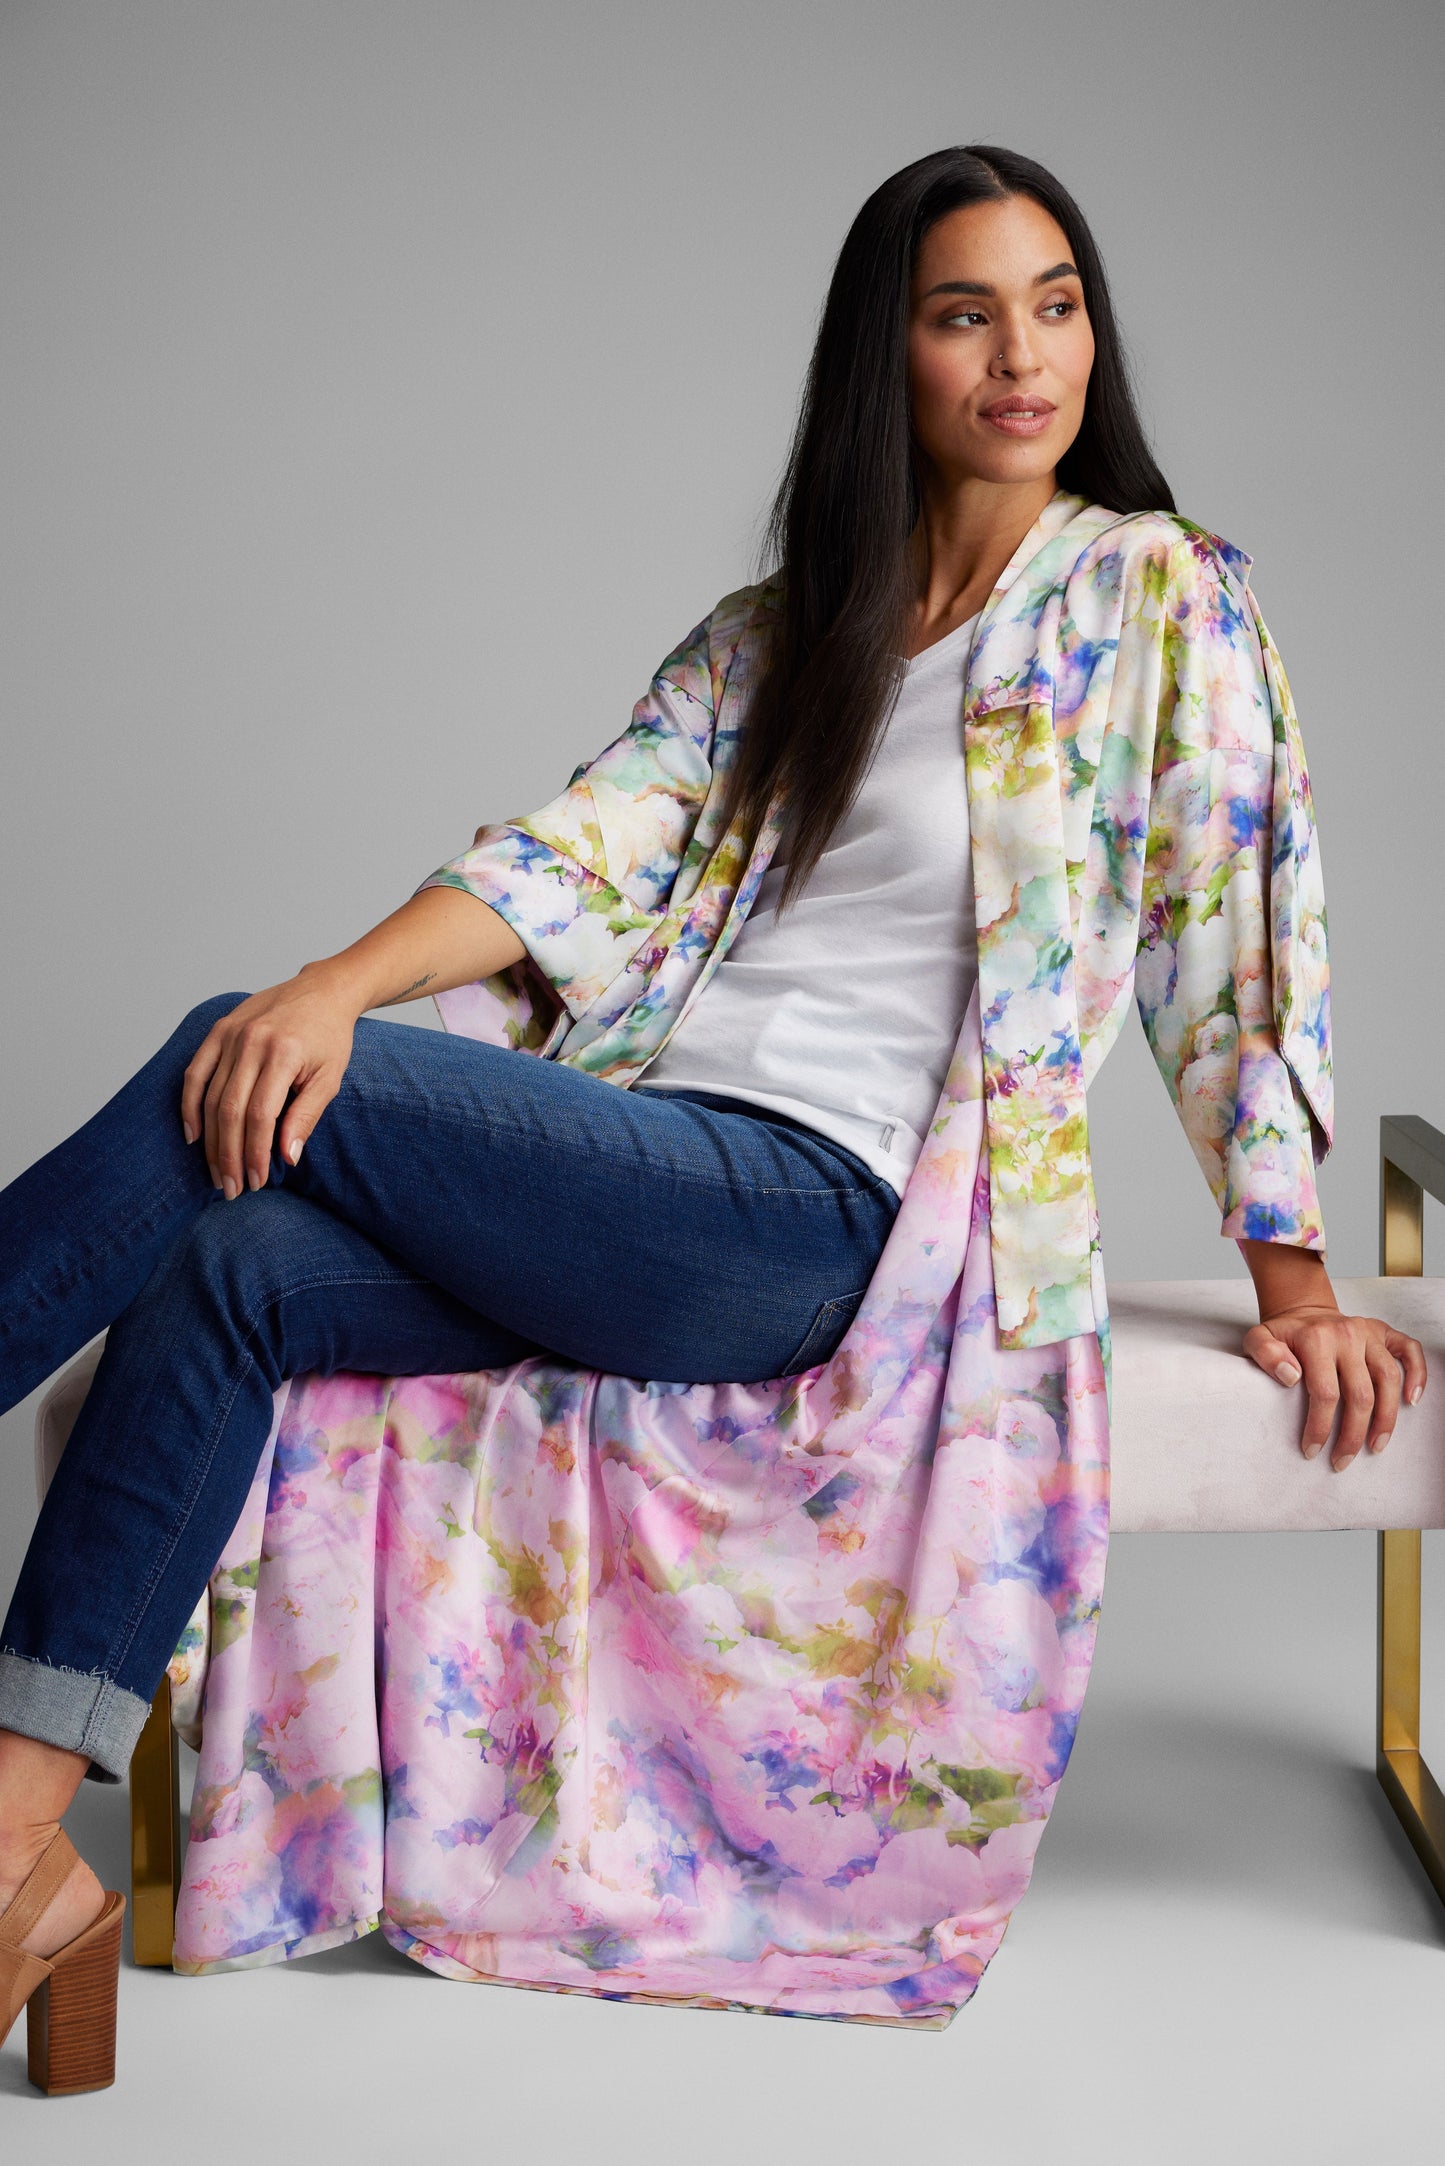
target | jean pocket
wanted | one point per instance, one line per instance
(825, 1332)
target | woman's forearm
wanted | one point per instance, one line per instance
(441, 938)
(1287, 1278)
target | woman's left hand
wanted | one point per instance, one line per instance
(1350, 1366)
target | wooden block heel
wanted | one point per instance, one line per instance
(70, 2019)
(69, 1997)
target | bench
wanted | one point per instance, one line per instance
(1202, 1442)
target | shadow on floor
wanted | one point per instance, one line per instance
(1227, 1809)
(366, 1957)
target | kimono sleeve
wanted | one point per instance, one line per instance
(583, 881)
(1232, 976)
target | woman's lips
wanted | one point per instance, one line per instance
(1019, 417)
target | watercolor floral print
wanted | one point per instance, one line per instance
(759, 1696)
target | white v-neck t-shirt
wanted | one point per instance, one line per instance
(844, 1012)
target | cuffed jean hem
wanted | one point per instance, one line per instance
(74, 1709)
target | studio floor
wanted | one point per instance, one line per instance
(1228, 1951)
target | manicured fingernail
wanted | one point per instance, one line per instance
(231, 1189)
(1381, 1441)
(295, 1151)
(188, 1132)
(254, 1178)
(1338, 1466)
(1415, 1391)
(215, 1175)
(1287, 1373)
(1311, 1451)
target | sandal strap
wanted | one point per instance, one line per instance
(52, 1869)
(20, 1974)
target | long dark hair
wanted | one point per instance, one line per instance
(849, 497)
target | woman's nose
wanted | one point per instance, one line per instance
(1015, 354)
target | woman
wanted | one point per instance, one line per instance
(991, 660)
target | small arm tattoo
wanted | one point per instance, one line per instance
(419, 985)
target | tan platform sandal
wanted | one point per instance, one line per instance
(70, 1996)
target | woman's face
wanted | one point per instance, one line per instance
(1000, 345)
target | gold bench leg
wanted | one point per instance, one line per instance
(1407, 1781)
(155, 1835)
(1409, 1164)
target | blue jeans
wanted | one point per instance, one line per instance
(458, 1207)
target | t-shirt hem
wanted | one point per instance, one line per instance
(893, 1164)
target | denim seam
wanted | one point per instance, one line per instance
(201, 1467)
(68, 1286)
(100, 1708)
(100, 1731)
(818, 1326)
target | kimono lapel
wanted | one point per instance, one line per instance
(1041, 1191)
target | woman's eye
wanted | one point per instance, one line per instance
(1061, 308)
(965, 315)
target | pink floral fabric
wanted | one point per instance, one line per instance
(1141, 822)
(759, 1696)
(739, 1696)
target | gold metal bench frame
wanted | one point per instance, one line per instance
(1412, 1167)
(155, 1835)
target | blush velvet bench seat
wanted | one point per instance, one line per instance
(1202, 1442)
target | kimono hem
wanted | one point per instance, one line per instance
(739, 1696)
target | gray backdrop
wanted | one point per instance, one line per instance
(387, 388)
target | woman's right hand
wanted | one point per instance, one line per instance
(293, 1037)
(298, 1036)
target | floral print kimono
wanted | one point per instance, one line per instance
(759, 1696)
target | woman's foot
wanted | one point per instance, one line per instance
(59, 1929)
(63, 1972)
(77, 1903)
(37, 1784)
